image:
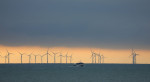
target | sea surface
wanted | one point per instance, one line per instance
(70, 73)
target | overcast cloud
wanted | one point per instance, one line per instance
(75, 23)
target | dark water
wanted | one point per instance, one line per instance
(68, 73)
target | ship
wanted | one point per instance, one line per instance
(80, 64)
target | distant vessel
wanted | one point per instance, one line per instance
(79, 64)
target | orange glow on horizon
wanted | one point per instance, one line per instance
(79, 54)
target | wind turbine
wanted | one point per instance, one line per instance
(8, 54)
(54, 57)
(66, 57)
(60, 57)
(42, 58)
(99, 58)
(21, 54)
(29, 57)
(135, 57)
(0, 56)
(71, 58)
(47, 55)
(95, 57)
(92, 56)
(5, 58)
(35, 58)
(102, 58)
(133, 54)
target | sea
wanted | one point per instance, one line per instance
(70, 73)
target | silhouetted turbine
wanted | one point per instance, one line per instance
(66, 57)
(42, 58)
(92, 56)
(5, 59)
(71, 58)
(8, 54)
(54, 57)
(21, 54)
(29, 57)
(35, 58)
(60, 57)
(99, 58)
(47, 55)
(1, 56)
(95, 57)
(133, 54)
(102, 58)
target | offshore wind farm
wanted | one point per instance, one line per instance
(67, 71)
(74, 41)
(96, 58)
(34, 57)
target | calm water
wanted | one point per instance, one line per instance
(68, 73)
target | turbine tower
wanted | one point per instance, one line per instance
(29, 57)
(71, 58)
(133, 56)
(21, 54)
(8, 54)
(95, 57)
(60, 57)
(1, 56)
(42, 58)
(35, 58)
(99, 58)
(66, 57)
(102, 58)
(5, 58)
(54, 57)
(92, 56)
(47, 53)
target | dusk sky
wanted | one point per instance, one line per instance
(107, 24)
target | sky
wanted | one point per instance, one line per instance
(83, 24)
